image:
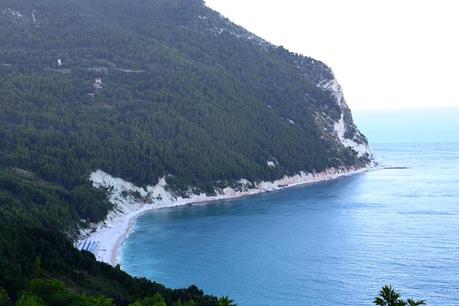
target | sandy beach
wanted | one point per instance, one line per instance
(105, 239)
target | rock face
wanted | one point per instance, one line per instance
(345, 129)
(150, 89)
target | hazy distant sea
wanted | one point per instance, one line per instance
(409, 125)
(333, 243)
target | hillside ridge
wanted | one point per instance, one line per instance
(162, 93)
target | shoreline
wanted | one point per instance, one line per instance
(106, 238)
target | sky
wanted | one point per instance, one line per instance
(386, 54)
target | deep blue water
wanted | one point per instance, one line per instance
(333, 243)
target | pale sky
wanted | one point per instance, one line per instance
(386, 54)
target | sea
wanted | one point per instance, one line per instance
(330, 243)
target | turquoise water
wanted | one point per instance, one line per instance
(332, 243)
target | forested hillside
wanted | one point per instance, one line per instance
(143, 89)
(43, 267)
(176, 97)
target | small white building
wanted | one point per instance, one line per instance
(59, 62)
(98, 83)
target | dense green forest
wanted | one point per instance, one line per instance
(176, 99)
(140, 89)
(39, 263)
(43, 265)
